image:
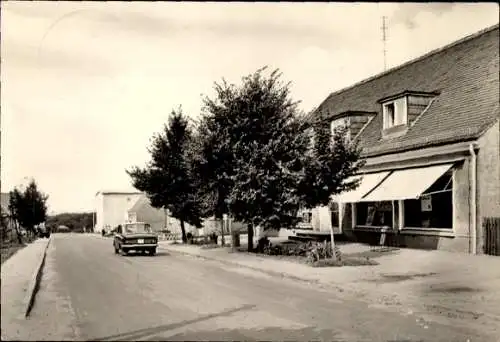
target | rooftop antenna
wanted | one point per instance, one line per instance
(384, 40)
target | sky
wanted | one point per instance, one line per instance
(86, 84)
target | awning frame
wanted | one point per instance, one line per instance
(437, 170)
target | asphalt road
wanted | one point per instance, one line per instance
(89, 293)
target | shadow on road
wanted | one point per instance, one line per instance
(263, 334)
(133, 335)
(138, 255)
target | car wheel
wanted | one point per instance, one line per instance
(124, 251)
(152, 251)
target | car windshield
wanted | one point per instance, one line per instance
(137, 228)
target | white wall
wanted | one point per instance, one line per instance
(99, 213)
(112, 209)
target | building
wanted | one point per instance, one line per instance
(142, 211)
(429, 133)
(161, 220)
(112, 208)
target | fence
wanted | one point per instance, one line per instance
(491, 226)
(169, 237)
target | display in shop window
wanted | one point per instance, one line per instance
(371, 215)
(426, 203)
(334, 213)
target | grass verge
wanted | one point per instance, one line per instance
(9, 250)
(346, 261)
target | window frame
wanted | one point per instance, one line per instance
(399, 215)
(449, 187)
(400, 118)
(302, 213)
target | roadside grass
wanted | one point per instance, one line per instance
(345, 261)
(293, 258)
(8, 249)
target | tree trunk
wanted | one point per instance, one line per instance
(233, 245)
(334, 255)
(183, 232)
(19, 237)
(250, 237)
(18, 233)
(222, 239)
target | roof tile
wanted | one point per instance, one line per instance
(465, 73)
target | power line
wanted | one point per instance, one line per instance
(384, 40)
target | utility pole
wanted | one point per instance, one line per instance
(384, 40)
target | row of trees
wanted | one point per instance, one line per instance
(76, 222)
(28, 208)
(251, 156)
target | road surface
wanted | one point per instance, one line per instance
(89, 293)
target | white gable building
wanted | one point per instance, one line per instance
(112, 208)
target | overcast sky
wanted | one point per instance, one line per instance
(85, 85)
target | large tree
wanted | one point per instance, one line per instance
(168, 179)
(259, 153)
(28, 207)
(214, 161)
(15, 204)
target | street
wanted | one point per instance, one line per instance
(89, 293)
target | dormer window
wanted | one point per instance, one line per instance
(395, 113)
(401, 110)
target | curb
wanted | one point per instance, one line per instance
(34, 284)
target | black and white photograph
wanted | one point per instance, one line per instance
(250, 171)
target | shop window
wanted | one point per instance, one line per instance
(434, 209)
(305, 216)
(334, 214)
(374, 214)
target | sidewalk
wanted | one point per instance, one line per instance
(16, 276)
(444, 286)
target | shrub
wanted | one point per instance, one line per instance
(319, 251)
(263, 246)
(214, 238)
(312, 250)
(189, 237)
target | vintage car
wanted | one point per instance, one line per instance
(136, 237)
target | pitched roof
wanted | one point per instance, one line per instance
(141, 201)
(118, 192)
(465, 73)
